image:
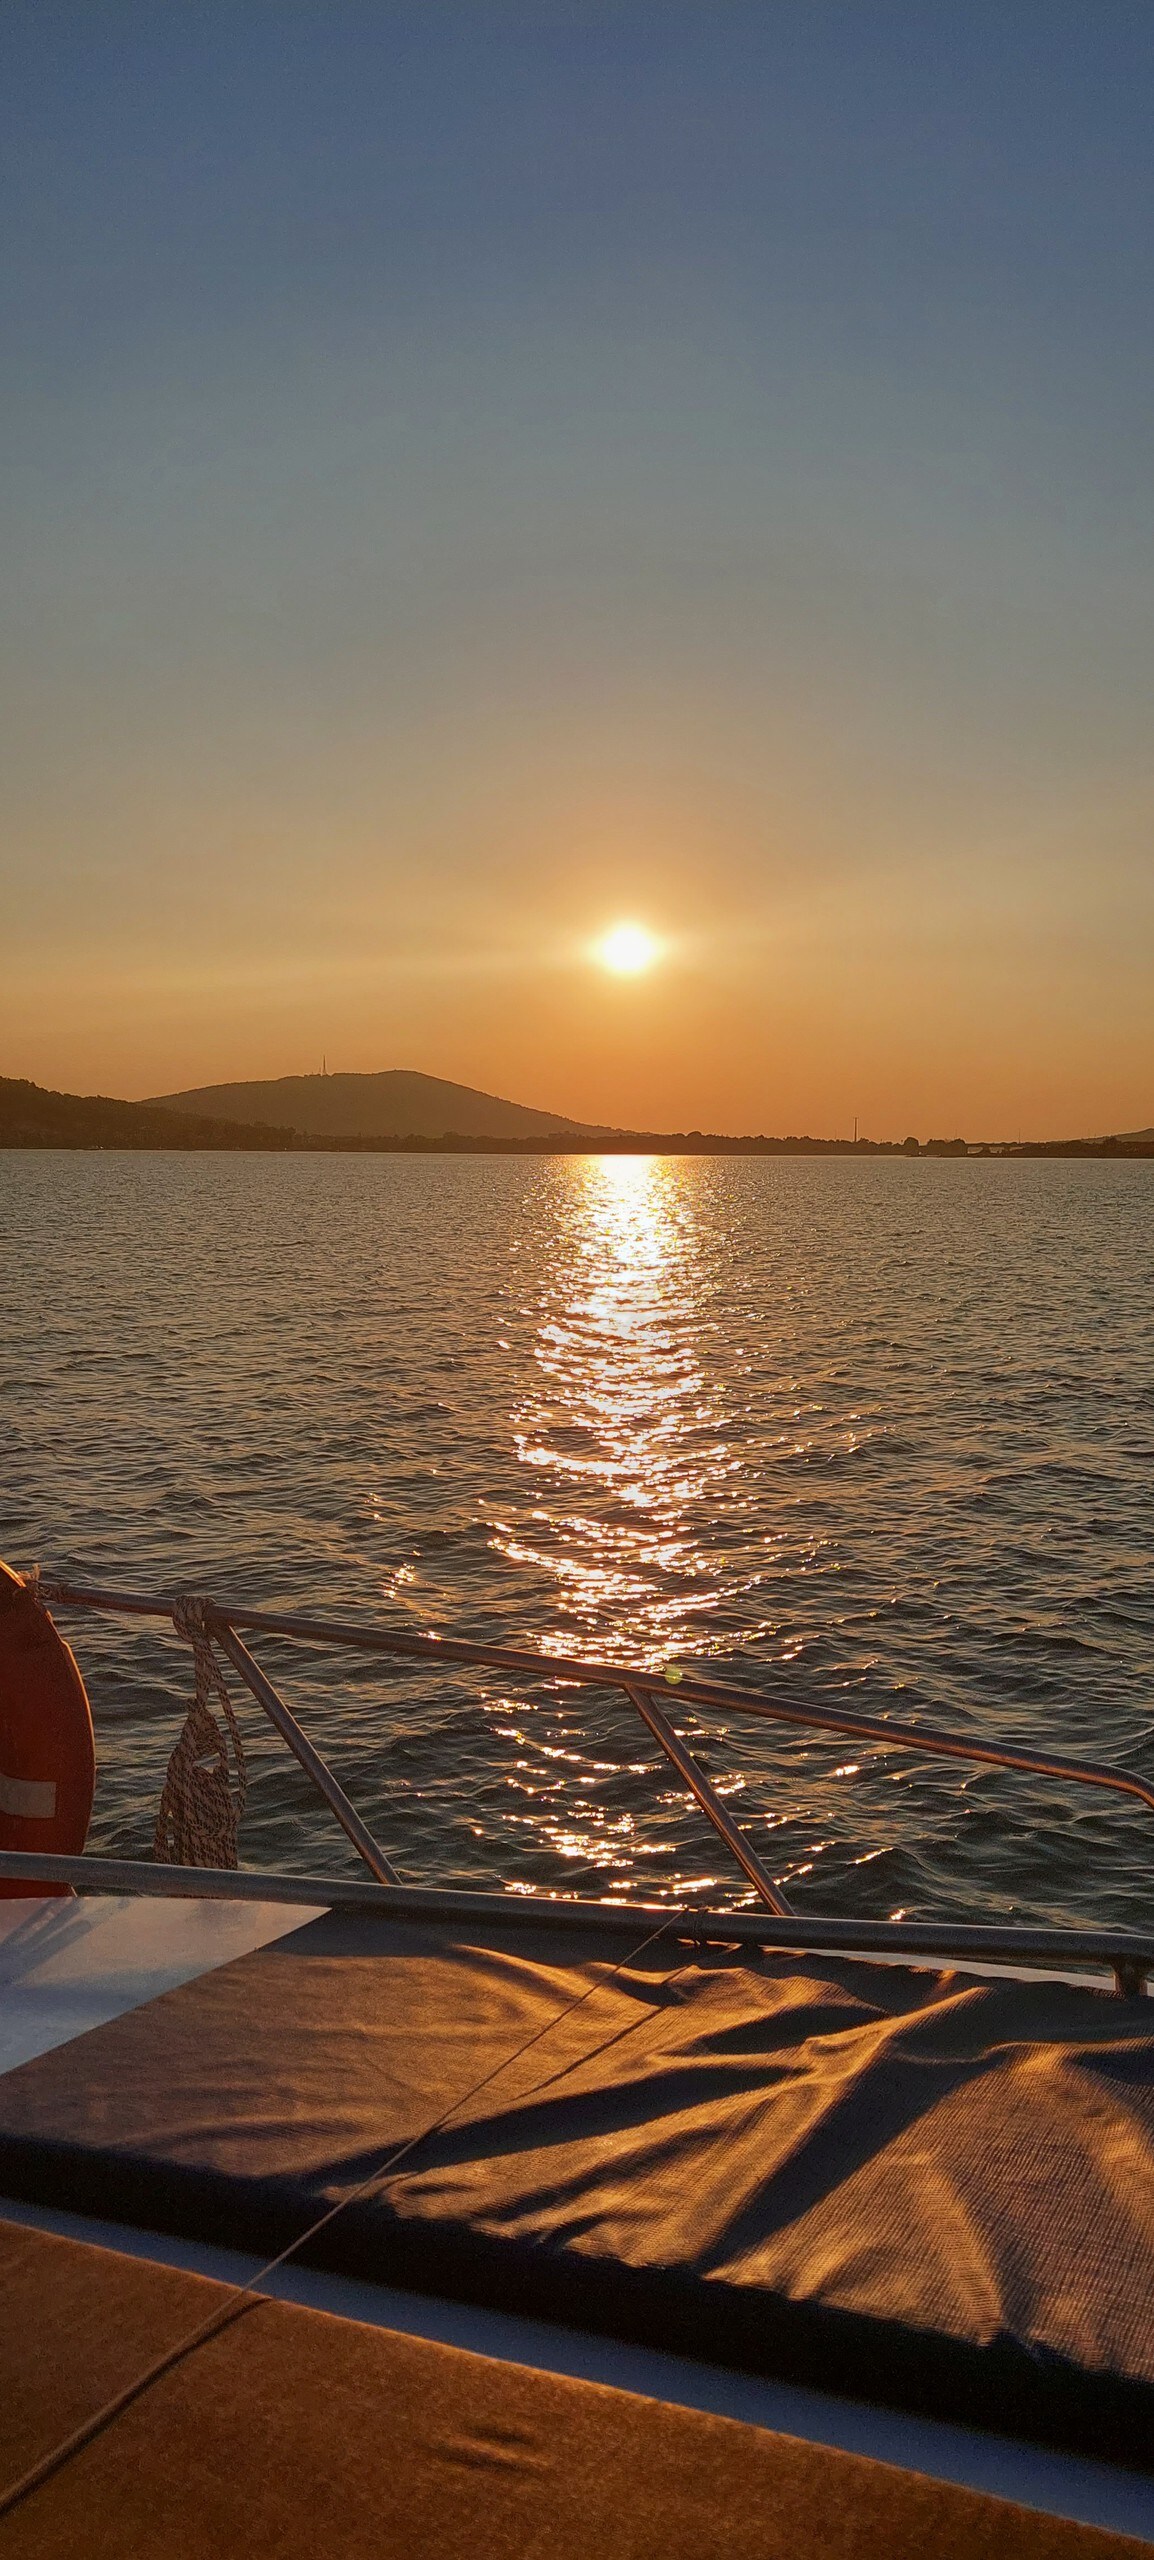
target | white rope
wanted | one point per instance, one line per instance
(206, 1782)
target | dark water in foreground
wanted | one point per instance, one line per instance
(887, 1427)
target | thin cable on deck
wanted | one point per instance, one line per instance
(245, 2297)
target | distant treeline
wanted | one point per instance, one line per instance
(30, 1116)
(699, 1142)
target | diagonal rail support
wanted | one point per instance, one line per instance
(707, 1797)
(302, 1749)
(715, 1696)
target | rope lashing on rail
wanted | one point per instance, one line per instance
(206, 1782)
(42, 1592)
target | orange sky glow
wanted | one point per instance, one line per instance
(475, 484)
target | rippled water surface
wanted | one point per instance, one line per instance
(877, 1432)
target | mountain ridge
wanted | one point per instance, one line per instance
(397, 1102)
(33, 1115)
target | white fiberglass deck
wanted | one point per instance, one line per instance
(67, 1964)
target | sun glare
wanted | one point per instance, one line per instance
(627, 949)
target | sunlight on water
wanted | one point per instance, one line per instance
(868, 1433)
(625, 1453)
(642, 1513)
(618, 1429)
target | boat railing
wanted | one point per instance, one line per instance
(649, 1690)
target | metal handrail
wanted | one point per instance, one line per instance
(220, 1623)
(640, 1685)
(436, 1650)
(1123, 1952)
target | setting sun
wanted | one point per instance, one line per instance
(627, 950)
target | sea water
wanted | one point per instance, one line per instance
(873, 1432)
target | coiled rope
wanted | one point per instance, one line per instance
(206, 1782)
(246, 2296)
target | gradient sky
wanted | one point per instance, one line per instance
(473, 474)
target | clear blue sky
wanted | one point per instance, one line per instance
(472, 475)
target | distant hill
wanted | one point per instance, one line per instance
(456, 1121)
(30, 1116)
(397, 1104)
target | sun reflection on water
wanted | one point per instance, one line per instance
(618, 1425)
(634, 1495)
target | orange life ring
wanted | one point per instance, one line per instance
(47, 1750)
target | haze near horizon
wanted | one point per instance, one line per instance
(599, 553)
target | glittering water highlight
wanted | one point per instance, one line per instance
(884, 1429)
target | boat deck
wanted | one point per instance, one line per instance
(303, 2432)
(919, 2200)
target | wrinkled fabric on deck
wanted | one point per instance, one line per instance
(907, 2186)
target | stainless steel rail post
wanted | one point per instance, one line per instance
(707, 1797)
(302, 1749)
(715, 1695)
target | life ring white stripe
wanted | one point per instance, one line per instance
(29, 1799)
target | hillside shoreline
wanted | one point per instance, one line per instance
(32, 1116)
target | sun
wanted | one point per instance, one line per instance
(627, 950)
